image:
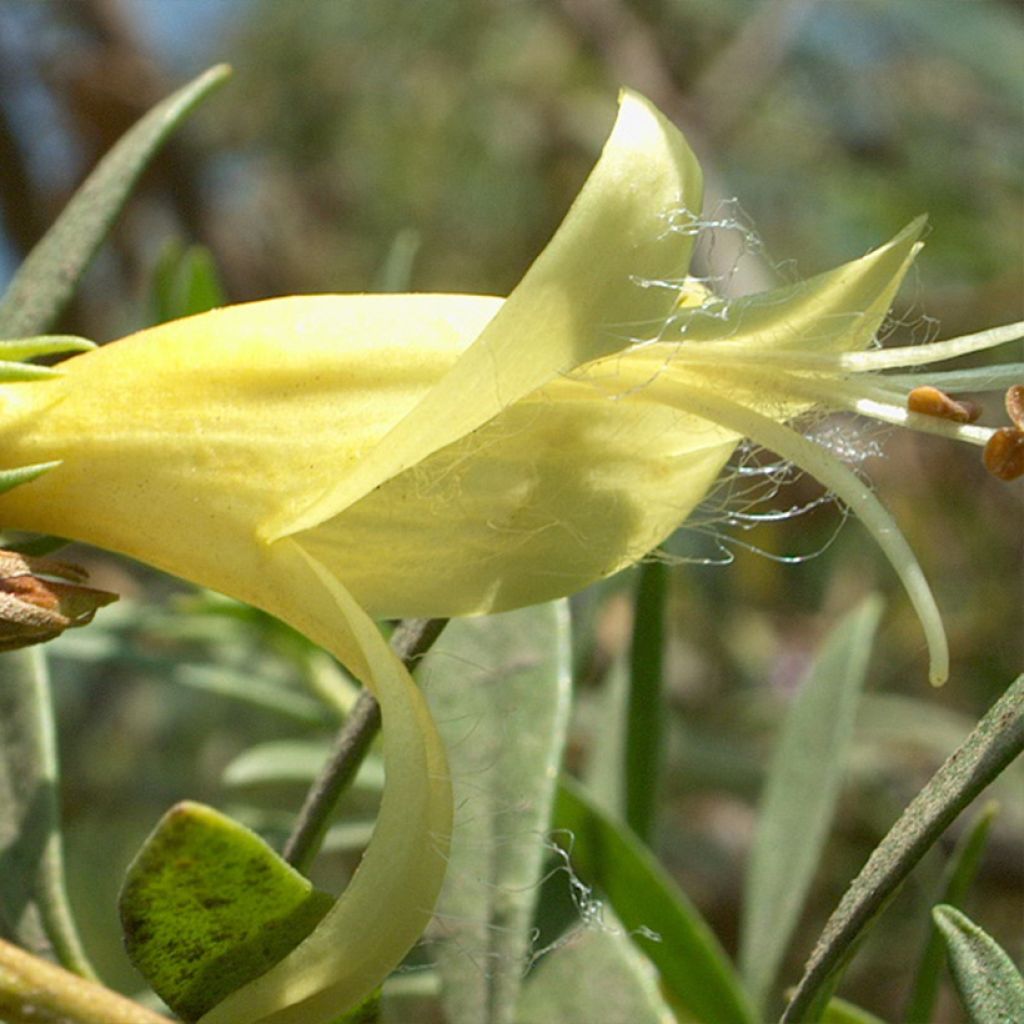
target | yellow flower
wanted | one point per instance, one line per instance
(334, 459)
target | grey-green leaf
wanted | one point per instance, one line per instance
(33, 904)
(800, 796)
(499, 689)
(990, 987)
(696, 975)
(960, 873)
(992, 745)
(291, 762)
(47, 278)
(598, 975)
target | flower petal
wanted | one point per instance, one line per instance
(204, 427)
(561, 489)
(388, 903)
(837, 311)
(599, 283)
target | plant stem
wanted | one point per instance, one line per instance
(410, 641)
(34, 991)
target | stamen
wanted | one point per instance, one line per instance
(930, 401)
(979, 378)
(724, 352)
(1004, 453)
(933, 352)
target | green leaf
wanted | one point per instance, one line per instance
(596, 976)
(43, 345)
(646, 712)
(800, 796)
(990, 987)
(241, 686)
(695, 972)
(23, 474)
(839, 1011)
(34, 910)
(960, 873)
(295, 762)
(207, 906)
(186, 282)
(992, 745)
(499, 689)
(13, 373)
(395, 273)
(45, 281)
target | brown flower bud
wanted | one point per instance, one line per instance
(34, 609)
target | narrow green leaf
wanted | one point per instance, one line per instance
(992, 745)
(45, 281)
(604, 775)
(800, 796)
(43, 345)
(960, 873)
(186, 282)
(596, 976)
(990, 987)
(695, 973)
(34, 910)
(207, 906)
(291, 762)
(395, 273)
(23, 474)
(839, 1011)
(646, 711)
(499, 689)
(240, 686)
(13, 373)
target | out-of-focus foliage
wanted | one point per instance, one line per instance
(358, 136)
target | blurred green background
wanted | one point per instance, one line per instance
(436, 145)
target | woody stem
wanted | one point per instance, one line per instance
(410, 641)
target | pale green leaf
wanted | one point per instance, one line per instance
(800, 796)
(990, 987)
(33, 904)
(991, 746)
(284, 762)
(45, 281)
(598, 975)
(499, 689)
(695, 973)
(961, 871)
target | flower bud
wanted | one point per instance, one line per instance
(34, 609)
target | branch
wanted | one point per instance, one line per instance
(411, 640)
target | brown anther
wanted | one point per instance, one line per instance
(33, 609)
(931, 401)
(1015, 405)
(1004, 453)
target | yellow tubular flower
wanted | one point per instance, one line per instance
(333, 459)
